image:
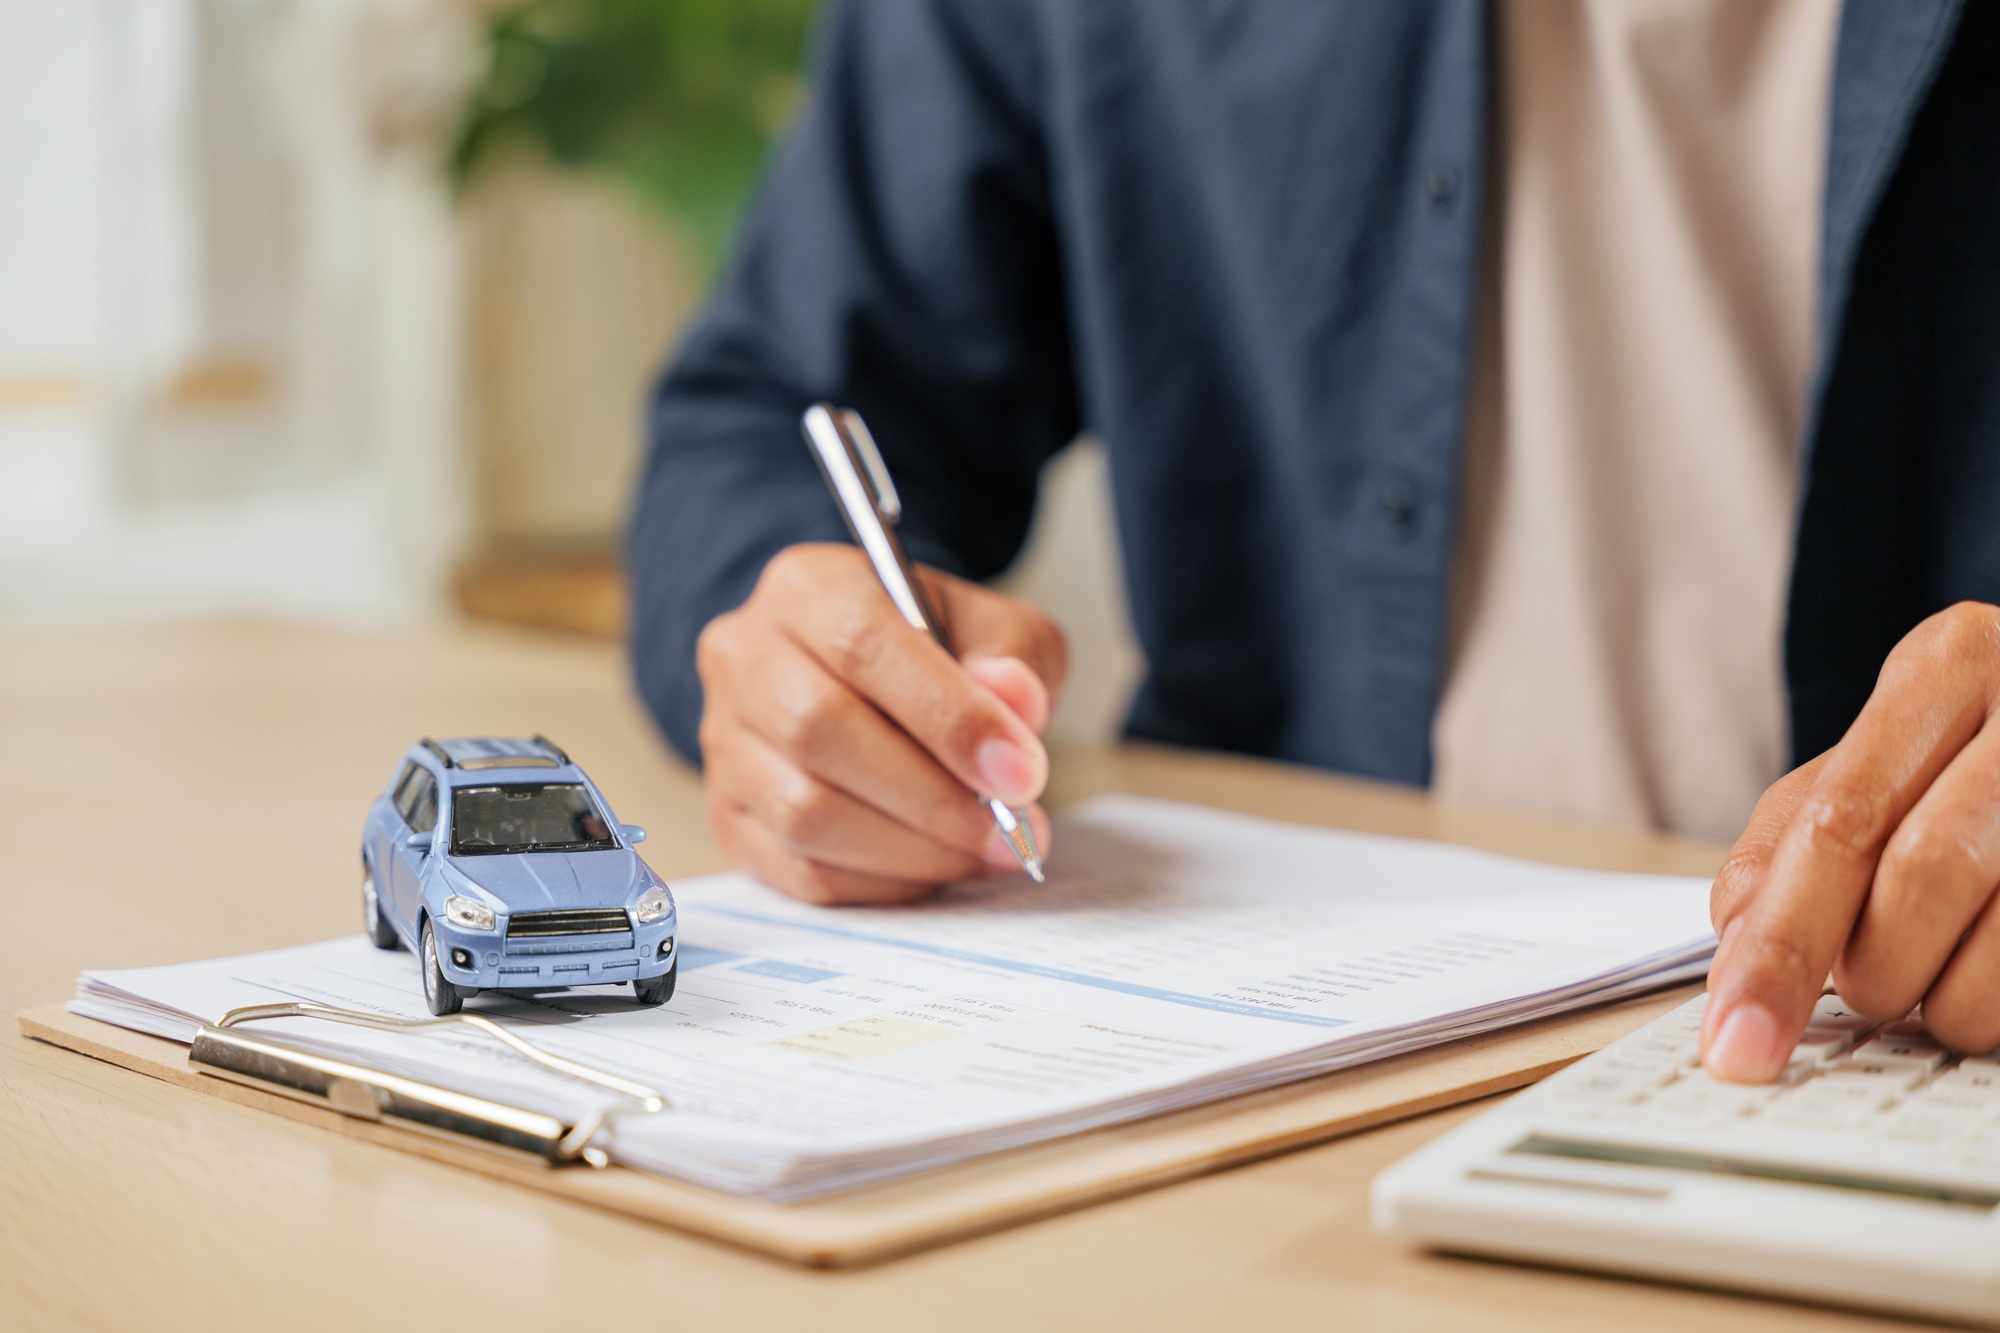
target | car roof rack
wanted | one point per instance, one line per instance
(439, 751)
(560, 756)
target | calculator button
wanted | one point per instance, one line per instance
(1867, 1093)
(1700, 1093)
(1798, 1069)
(1695, 1114)
(1833, 1012)
(1974, 1097)
(1663, 1046)
(1921, 1051)
(1651, 1073)
(1684, 1021)
(1897, 1074)
(1925, 1123)
(1818, 1114)
(1972, 1079)
(1608, 1086)
(1976, 1110)
(1823, 1043)
(1699, 1081)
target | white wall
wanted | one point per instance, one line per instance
(233, 347)
(229, 315)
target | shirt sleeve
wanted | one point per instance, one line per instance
(902, 260)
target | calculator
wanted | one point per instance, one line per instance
(1868, 1174)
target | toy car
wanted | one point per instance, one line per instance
(498, 863)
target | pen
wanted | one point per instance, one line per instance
(867, 498)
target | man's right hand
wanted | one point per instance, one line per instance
(846, 752)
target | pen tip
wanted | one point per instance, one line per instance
(1031, 855)
(1021, 837)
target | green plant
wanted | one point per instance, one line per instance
(679, 98)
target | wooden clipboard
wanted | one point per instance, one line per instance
(878, 1222)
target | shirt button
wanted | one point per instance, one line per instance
(1440, 187)
(1397, 507)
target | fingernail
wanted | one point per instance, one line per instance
(1746, 1048)
(1017, 685)
(986, 661)
(1006, 770)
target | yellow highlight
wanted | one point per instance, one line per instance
(864, 1038)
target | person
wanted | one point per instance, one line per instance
(1589, 404)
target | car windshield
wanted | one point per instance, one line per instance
(526, 817)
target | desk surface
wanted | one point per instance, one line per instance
(177, 793)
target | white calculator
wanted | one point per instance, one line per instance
(1868, 1175)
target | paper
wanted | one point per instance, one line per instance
(1176, 955)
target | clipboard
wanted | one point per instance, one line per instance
(875, 1223)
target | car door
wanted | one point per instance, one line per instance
(387, 826)
(420, 813)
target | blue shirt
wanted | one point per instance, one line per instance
(1237, 240)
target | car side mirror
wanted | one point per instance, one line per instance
(418, 842)
(633, 833)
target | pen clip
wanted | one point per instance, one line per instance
(867, 499)
(874, 472)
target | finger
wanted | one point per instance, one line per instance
(1934, 879)
(1931, 699)
(855, 633)
(1016, 684)
(790, 701)
(1963, 1009)
(824, 824)
(750, 846)
(1750, 858)
(983, 623)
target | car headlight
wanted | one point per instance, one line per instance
(468, 912)
(653, 905)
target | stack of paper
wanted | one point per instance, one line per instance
(1176, 955)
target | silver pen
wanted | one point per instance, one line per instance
(867, 498)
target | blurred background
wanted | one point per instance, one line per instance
(345, 311)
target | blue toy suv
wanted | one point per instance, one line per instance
(498, 864)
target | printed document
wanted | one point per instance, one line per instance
(1175, 956)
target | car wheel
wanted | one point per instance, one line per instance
(380, 933)
(657, 990)
(439, 992)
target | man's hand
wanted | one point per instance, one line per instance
(845, 750)
(1878, 861)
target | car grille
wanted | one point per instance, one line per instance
(583, 921)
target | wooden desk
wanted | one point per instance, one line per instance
(178, 793)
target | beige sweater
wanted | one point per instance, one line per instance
(1631, 457)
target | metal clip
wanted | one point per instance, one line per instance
(836, 432)
(354, 1089)
(881, 488)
